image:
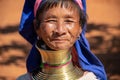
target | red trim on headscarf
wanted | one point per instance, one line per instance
(37, 3)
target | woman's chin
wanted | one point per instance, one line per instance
(60, 47)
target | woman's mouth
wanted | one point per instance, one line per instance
(59, 40)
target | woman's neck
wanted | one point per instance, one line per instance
(55, 58)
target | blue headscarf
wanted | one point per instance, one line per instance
(87, 60)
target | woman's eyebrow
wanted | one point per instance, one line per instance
(68, 16)
(50, 16)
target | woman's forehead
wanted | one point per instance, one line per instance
(60, 12)
(69, 5)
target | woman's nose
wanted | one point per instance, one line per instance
(60, 28)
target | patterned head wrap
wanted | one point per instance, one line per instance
(87, 60)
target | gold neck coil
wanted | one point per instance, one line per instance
(57, 72)
(54, 57)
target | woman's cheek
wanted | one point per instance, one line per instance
(47, 29)
(74, 30)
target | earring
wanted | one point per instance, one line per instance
(38, 38)
(78, 37)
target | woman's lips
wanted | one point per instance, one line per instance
(59, 40)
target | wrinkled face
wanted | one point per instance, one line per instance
(59, 28)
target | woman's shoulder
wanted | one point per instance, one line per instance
(24, 77)
(89, 76)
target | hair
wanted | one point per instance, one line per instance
(69, 4)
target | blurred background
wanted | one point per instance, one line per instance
(103, 33)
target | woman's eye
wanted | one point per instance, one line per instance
(51, 21)
(69, 21)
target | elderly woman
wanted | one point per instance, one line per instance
(60, 50)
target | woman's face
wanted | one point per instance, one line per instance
(59, 27)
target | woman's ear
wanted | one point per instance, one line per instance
(36, 27)
(79, 32)
(36, 24)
